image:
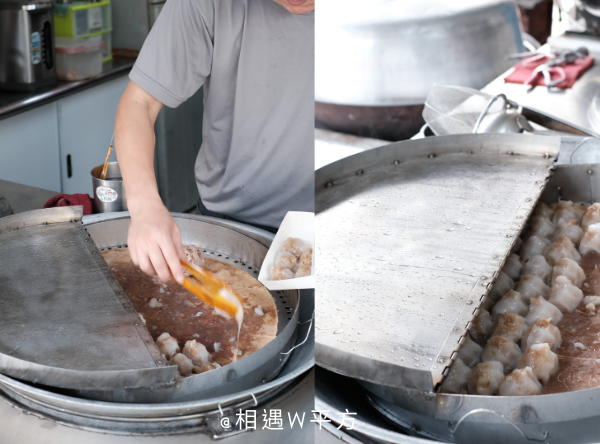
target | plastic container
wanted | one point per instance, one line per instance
(107, 50)
(82, 19)
(78, 59)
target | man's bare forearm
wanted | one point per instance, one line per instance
(134, 142)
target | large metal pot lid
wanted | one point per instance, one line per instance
(410, 239)
(64, 319)
(353, 13)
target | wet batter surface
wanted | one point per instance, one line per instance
(579, 353)
(185, 317)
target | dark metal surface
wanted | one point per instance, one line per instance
(63, 323)
(556, 124)
(12, 103)
(5, 208)
(391, 123)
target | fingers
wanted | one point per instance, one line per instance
(132, 249)
(145, 265)
(159, 263)
(176, 238)
(172, 258)
(154, 242)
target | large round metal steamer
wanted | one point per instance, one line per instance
(400, 390)
(191, 405)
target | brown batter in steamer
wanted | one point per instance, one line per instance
(178, 313)
(579, 368)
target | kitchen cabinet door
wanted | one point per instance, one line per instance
(29, 151)
(86, 123)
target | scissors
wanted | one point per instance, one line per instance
(551, 65)
(547, 69)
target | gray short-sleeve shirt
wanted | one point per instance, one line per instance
(256, 62)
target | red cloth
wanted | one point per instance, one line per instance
(521, 72)
(71, 200)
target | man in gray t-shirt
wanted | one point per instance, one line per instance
(255, 59)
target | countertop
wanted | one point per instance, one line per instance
(12, 103)
(578, 105)
(23, 197)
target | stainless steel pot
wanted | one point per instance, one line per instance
(109, 193)
(389, 54)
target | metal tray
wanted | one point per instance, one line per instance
(411, 237)
(570, 417)
(62, 322)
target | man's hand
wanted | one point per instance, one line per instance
(154, 239)
(154, 242)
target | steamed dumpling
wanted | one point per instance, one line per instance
(287, 260)
(502, 350)
(502, 286)
(541, 308)
(521, 382)
(532, 286)
(570, 269)
(456, 381)
(513, 266)
(568, 228)
(196, 351)
(281, 273)
(591, 240)
(511, 326)
(485, 378)
(565, 210)
(533, 246)
(295, 246)
(542, 360)
(538, 266)
(561, 247)
(482, 326)
(183, 363)
(542, 227)
(167, 345)
(306, 258)
(512, 302)
(541, 209)
(542, 332)
(591, 216)
(470, 352)
(565, 295)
